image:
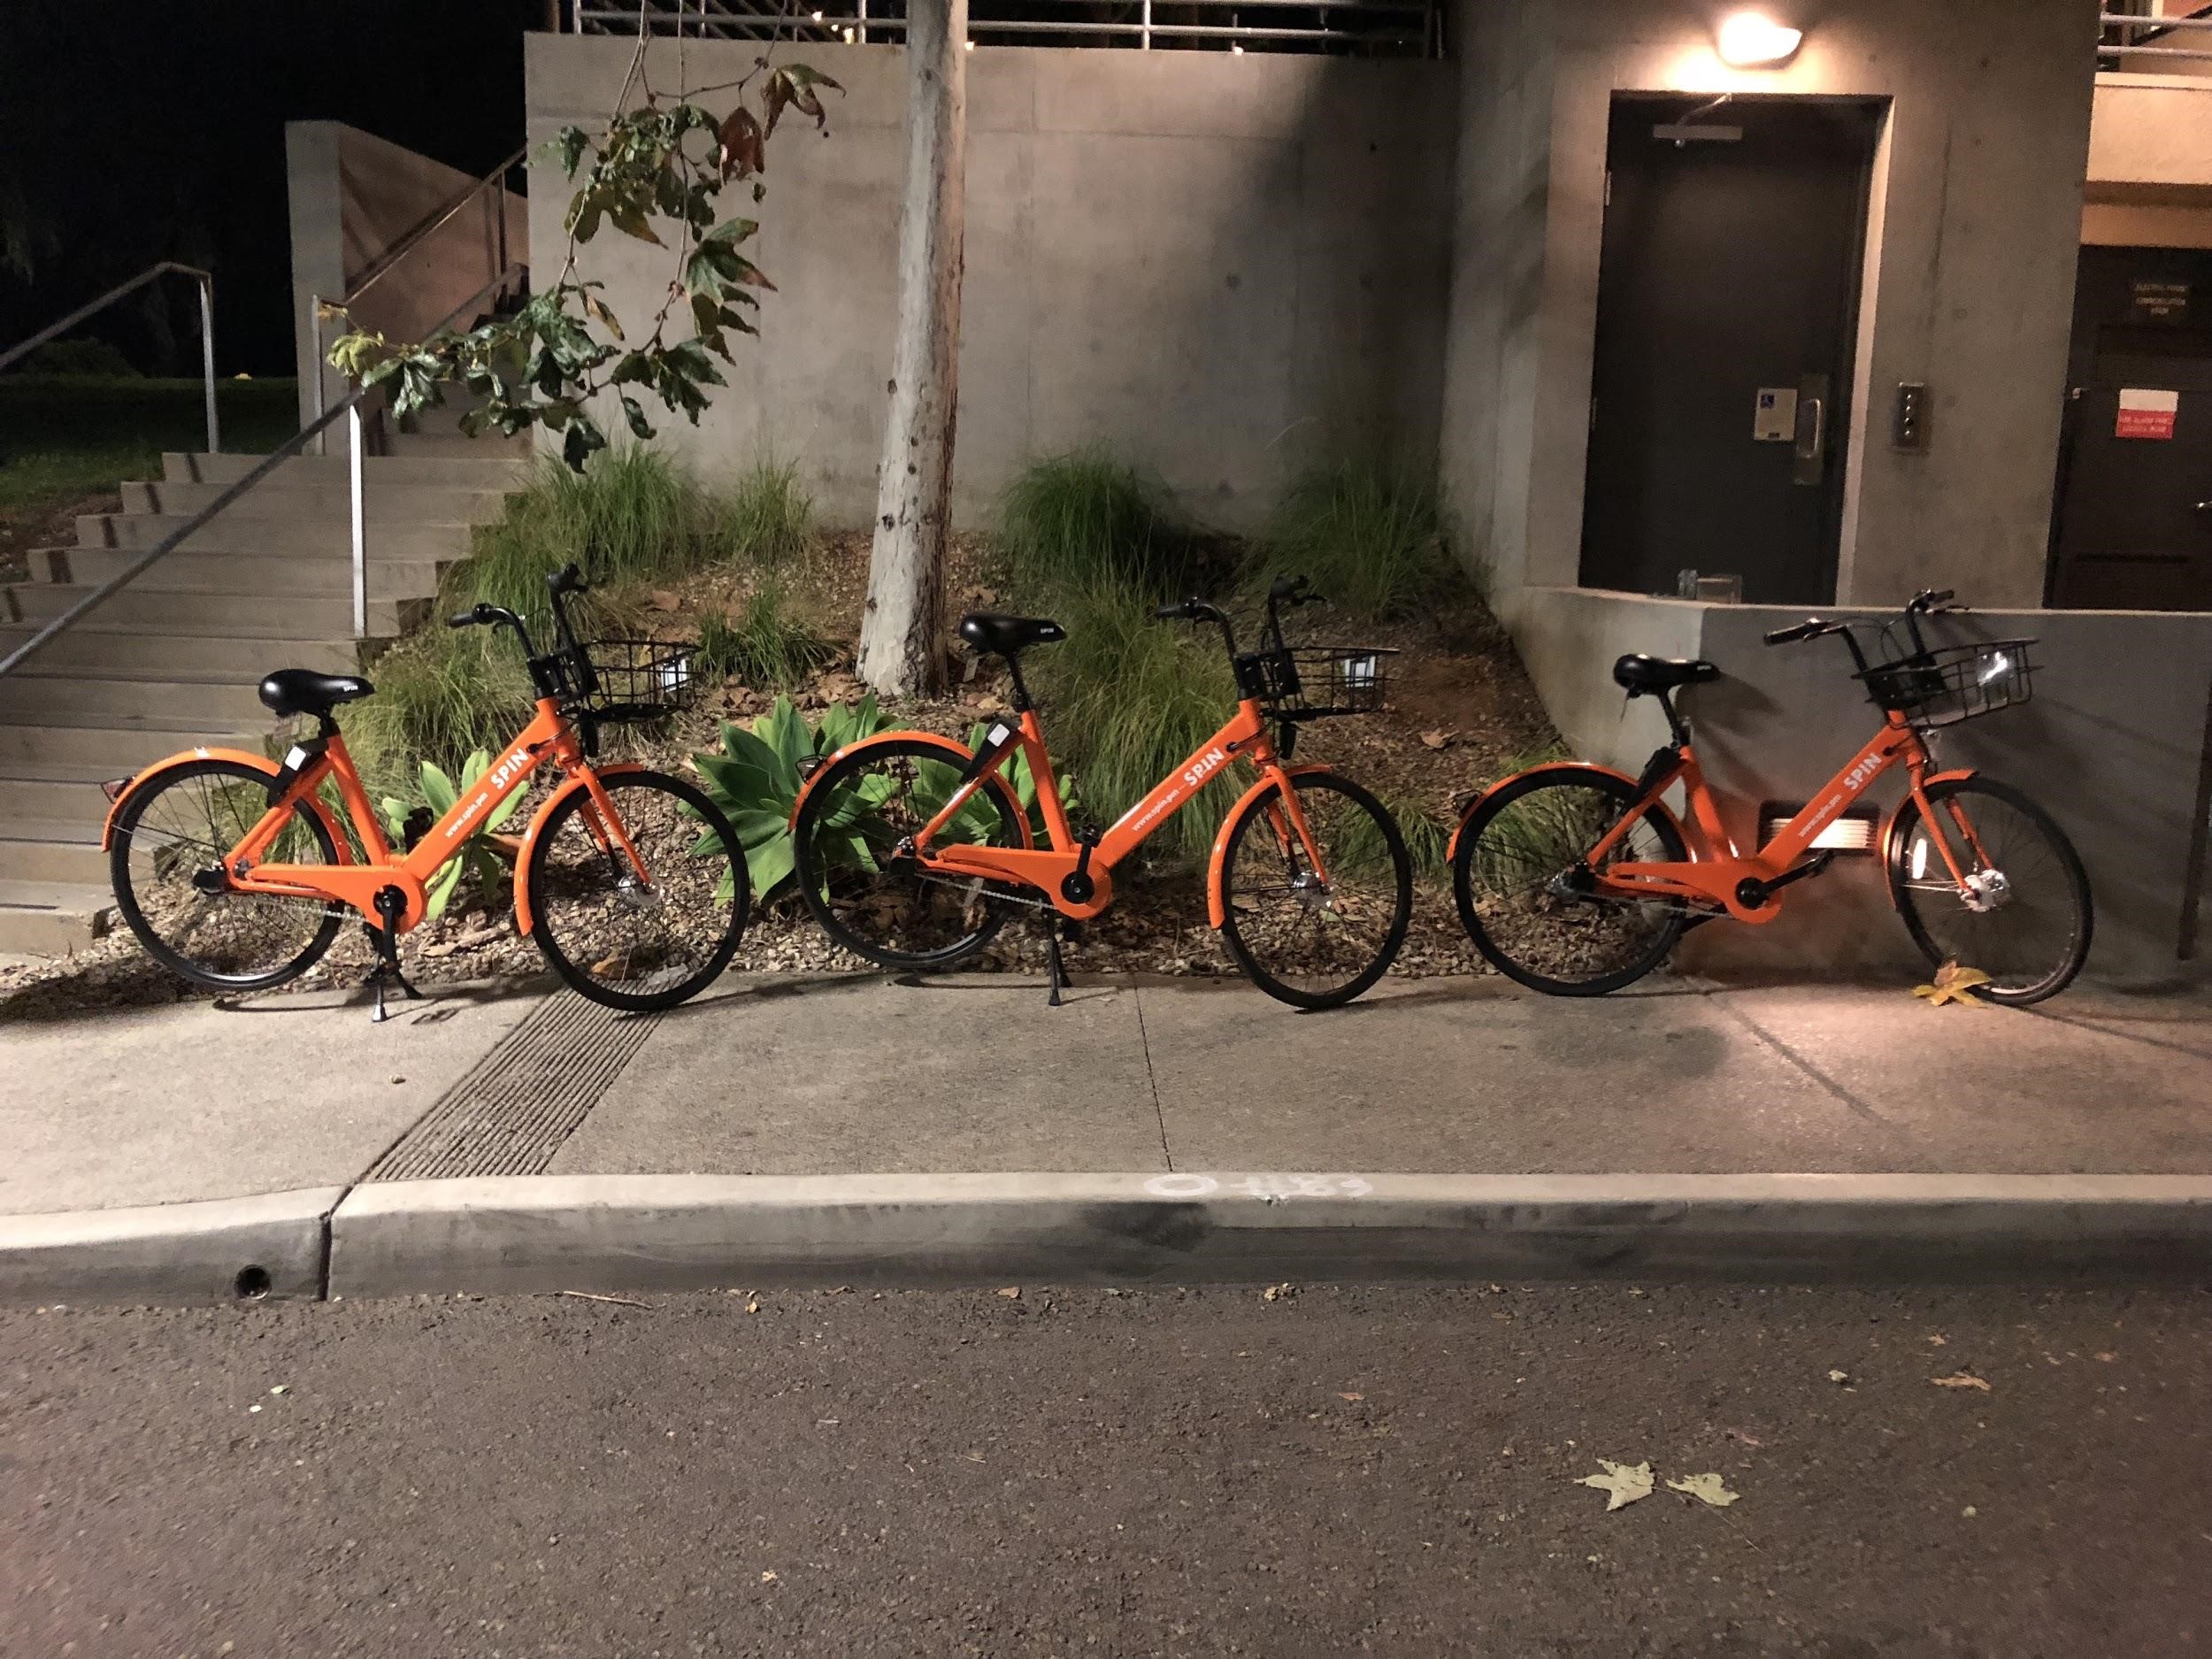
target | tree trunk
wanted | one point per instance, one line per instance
(901, 631)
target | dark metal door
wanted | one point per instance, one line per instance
(1727, 311)
(2132, 530)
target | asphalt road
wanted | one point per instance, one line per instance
(1328, 1473)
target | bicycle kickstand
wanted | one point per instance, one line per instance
(385, 939)
(1055, 971)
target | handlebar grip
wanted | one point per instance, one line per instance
(466, 620)
(1804, 630)
(570, 580)
(1176, 611)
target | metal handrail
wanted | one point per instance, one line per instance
(206, 282)
(379, 266)
(351, 408)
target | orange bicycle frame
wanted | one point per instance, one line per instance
(547, 736)
(1716, 871)
(1046, 868)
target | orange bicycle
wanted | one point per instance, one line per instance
(237, 873)
(1575, 879)
(911, 850)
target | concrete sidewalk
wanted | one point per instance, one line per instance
(973, 1075)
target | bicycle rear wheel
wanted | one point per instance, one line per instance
(1304, 939)
(1524, 882)
(2023, 918)
(880, 903)
(166, 862)
(626, 943)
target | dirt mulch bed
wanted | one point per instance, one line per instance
(1460, 710)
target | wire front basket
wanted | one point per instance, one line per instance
(1311, 682)
(637, 680)
(1952, 682)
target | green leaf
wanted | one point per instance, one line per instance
(746, 749)
(785, 732)
(771, 867)
(757, 829)
(641, 428)
(443, 886)
(438, 790)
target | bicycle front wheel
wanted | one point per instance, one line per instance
(630, 944)
(1315, 939)
(2023, 915)
(877, 899)
(166, 862)
(1525, 886)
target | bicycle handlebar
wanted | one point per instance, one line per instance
(1811, 627)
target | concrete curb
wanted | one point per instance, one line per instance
(616, 1232)
(217, 1251)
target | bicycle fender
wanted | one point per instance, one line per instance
(259, 762)
(956, 755)
(524, 920)
(1891, 850)
(1451, 847)
(1217, 905)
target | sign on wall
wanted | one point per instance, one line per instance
(2146, 414)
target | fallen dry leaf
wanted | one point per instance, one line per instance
(1959, 1379)
(1936, 1340)
(1953, 984)
(1745, 1435)
(1439, 739)
(1706, 1489)
(2106, 1355)
(752, 1307)
(1354, 1398)
(1624, 1483)
(768, 1578)
(661, 599)
(1277, 1293)
(1012, 1292)
(1838, 1376)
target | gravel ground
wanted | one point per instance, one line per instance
(1308, 1472)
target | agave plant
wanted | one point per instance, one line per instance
(755, 782)
(755, 779)
(476, 856)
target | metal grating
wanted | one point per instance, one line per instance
(512, 1112)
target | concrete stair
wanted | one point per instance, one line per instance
(172, 660)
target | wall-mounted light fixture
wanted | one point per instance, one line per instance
(1850, 832)
(1751, 40)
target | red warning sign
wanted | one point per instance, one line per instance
(2145, 414)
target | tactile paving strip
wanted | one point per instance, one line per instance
(510, 1115)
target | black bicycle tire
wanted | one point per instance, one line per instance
(821, 789)
(740, 906)
(2069, 861)
(1487, 809)
(1401, 919)
(133, 916)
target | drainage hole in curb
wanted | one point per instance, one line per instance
(252, 1283)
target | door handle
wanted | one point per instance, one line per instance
(1810, 447)
(1808, 456)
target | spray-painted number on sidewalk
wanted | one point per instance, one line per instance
(1260, 1185)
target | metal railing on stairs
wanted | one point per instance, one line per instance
(350, 409)
(206, 280)
(384, 262)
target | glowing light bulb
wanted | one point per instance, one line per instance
(1747, 39)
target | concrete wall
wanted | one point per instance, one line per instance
(2113, 744)
(1219, 265)
(353, 196)
(1976, 213)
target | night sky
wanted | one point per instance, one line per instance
(138, 130)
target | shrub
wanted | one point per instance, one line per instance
(437, 792)
(630, 518)
(440, 696)
(755, 780)
(768, 519)
(1081, 520)
(1370, 536)
(763, 644)
(1131, 697)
